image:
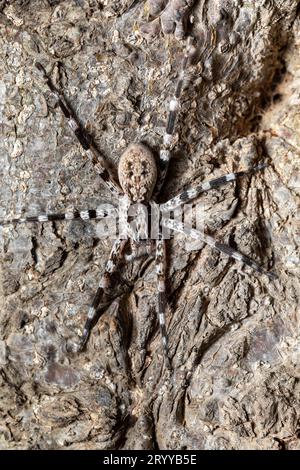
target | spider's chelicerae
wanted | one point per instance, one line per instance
(139, 182)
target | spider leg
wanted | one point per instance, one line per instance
(192, 192)
(165, 151)
(161, 285)
(104, 284)
(69, 215)
(225, 249)
(101, 166)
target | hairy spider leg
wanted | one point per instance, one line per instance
(101, 166)
(104, 284)
(225, 249)
(162, 301)
(68, 215)
(165, 151)
(192, 192)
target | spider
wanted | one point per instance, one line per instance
(139, 182)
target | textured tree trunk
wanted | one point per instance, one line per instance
(234, 334)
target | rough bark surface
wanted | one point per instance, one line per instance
(234, 335)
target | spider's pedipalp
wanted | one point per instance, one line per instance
(137, 173)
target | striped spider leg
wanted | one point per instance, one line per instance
(193, 192)
(100, 164)
(162, 300)
(221, 247)
(97, 214)
(165, 151)
(104, 284)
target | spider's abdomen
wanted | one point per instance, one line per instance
(137, 172)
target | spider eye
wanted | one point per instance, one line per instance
(130, 174)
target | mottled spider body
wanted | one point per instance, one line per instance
(140, 180)
(137, 173)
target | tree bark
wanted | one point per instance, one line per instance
(234, 335)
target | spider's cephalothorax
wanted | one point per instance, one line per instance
(138, 179)
(137, 173)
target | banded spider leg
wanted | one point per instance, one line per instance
(104, 284)
(165, 153)
(100, 164)
(192, 193)
(162, 300)
(225, 249)
(68, 215)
